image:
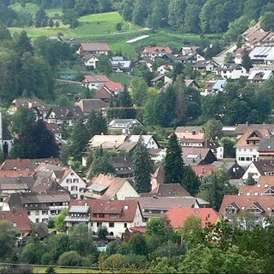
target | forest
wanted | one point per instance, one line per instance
(194, 16)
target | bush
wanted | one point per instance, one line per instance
(70, 258)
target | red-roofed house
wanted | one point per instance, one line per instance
(93, 48)
(94, 81)
(115, 215)
(203, 171)
(153, 52)
(177, 216)
(113, 87)
(19, 219)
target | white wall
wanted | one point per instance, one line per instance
(126, 190)
(245, 156)
(254, 171)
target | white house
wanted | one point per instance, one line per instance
(259, 168)
(40, 206)
(231, 71)
(247, 146)
(116, 215)
(90, 60)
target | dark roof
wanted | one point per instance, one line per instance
(87, 105)
(264, 166)
(242, 128)
(64, 113)
(266, 144)
(229, 67)
(168, 190)
(27, 182)
(236, 172)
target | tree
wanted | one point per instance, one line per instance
(70, 17)
(246, 61)
(124, 100)
(228, 144)
(228, 58)
(79, 139)
(181, 106)
(215, 186)
(138, 245)
(173, 163)
(267, 20)
(59, 221)
(142, 167)
(8, 238)
(176, 13)
(70, 258)
(51, 23)
(139, 90)
(250, 180)
(101, 165)
(104, 65)
(192, 20)
(41, 18)
(23, 44)
(213, 129)
(190, 181)
(50, 270)
(139, 13)
(102, 233)
(96, 124)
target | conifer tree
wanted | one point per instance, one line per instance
(142, 167)
(173, 164)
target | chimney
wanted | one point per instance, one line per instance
(193, 132)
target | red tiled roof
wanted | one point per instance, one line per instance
(114, 87)
(177, 216)
(95, 79)
(126, 209)
(155, 50)
(54, 128)
(15, 173)
(262, 133)
(204, 170)
(243, 202)
(19, 219)
(95, 47)
(103, 93)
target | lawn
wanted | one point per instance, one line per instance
(42, 269)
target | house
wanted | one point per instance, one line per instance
(56, 130)
(259, 168)
(66, 177)
(19, 220)
(242, 128)
(103, 94)
(154, 52)
(40, 109)
(266, 148)
(232, 71)
(26, 165)
(93, 48)
(161, 78)
(116, 216)
(204, 66)
(260, 76)
(64, 115)
(123, 167)
(173, 58)
(113, 87)
(264, 187)
(177, 216)
(203, 171)
(262, 55)
(247, 210)
(153, 207)
(40, 207)
(89, 105)
(147, 61)
(111, 142)
(247, 146)
(191, 83)
(163, 69)
(160, 189)
(105, 187)
(125, 126)
(120, 65)
(198, 156)
(94, 81)
(157, 154)
(214, 87)
(91, 60)
(185, 51)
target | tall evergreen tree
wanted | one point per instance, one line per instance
(124, 100)
(96, 124)
(142, 167)
(173, 164)
(246, 61)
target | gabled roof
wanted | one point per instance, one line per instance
(266, 203)
(114, 87)
(203, 64)
(87, 105)
(266, 145)
(204, 170)
(28, 102)
(123, 123)
(103, 93)
(262, 53)
(66, 112)
(242, 128)
(177, 216)
(18, 217)
(264, 166)
(157, 50)
(259, 189)
(95, 47)
(252, 134)
(262, 75)
(88, 56)
(168, 190)
(95, 79)
(107, 141)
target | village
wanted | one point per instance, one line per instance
(36, 191)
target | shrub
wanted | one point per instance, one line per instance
(70, 258)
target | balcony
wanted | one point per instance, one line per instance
(58, 207)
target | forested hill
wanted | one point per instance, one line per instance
(195, 16)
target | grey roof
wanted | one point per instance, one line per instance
(87, 56)
(28, 181)
(202, 63)
(260, 74)
(64, 113)
(266, 144)
(124, 123)
(97, 187)
(87, 105)
(79, 209)
(117, 58)
(229, 67)
(262, 53)
(219, 84)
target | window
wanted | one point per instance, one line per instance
(36, 220)
(69, 181)
(76, 181)
(125, 225)
(101, 215)
(99, 224)
(37, 212)
(111, 224)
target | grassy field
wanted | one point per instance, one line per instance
(42, 269)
